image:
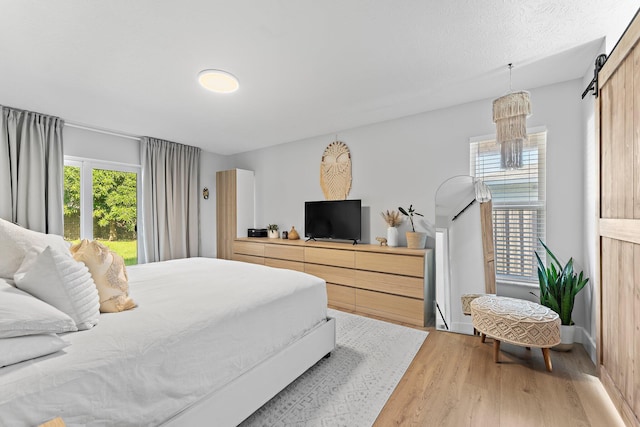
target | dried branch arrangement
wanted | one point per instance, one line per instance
(393, 218)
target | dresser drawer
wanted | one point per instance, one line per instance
(291, 253)
(337, 275)
(341, 296)
(384, 282)
(390, 283)
(406, 265)
(333, 257)
(402, 309)
(248, 258)
(248, 248)
(283, 263)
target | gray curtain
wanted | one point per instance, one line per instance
(31, 170)
(170, 226)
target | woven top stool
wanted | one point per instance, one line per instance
(466, 299)
(518, 322)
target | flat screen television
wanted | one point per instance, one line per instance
(333, 219)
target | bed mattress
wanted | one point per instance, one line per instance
(199, 324)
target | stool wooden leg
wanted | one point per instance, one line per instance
(496, 350)
(547, 359)
(482, 337)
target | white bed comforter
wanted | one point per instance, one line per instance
(199, 324)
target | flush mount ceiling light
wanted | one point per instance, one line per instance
(218, 81)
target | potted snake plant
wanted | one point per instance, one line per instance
(559, 286)
(415, 239)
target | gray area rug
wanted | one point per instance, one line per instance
(351, 387)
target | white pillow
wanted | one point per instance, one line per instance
(15, 243)
(63, 282)
(18, 349)
(23, 314)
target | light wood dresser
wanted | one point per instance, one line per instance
(391, 283)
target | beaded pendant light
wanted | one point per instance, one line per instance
(510, 114)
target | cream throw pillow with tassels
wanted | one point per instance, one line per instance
(109, 274)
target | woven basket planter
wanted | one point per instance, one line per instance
(416, 239)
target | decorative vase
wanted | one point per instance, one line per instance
(392, 236)
(273, 234)
(416, 239)
(293, 234)
(567, 335)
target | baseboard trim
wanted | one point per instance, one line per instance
(588, 343)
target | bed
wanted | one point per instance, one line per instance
(209, 343)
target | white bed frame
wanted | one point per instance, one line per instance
(233, 403)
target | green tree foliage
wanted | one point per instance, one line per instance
(114, 200)
(71, 190)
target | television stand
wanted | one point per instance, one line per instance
(355, 242)
(311, 238)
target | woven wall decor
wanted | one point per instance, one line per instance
(335, 171)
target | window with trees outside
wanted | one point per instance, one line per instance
(101, 203)
(519, 205)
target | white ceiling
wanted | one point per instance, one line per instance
(305, 67)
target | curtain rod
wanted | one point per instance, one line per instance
(97, 130)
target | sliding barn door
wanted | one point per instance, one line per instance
(618, 112)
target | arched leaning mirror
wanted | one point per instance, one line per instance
(465, 264)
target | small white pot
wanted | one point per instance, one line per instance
(273, 234)
(567, 335)
(392, 236)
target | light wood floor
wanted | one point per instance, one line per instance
(453, 381)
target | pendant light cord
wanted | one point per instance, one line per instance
(510, 68)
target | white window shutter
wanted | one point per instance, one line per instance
(519, 205)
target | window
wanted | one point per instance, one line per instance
(101, 203)
(519, 207)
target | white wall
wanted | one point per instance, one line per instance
(99, 146)
(403, 161)
(210, 163)
(586, 300)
